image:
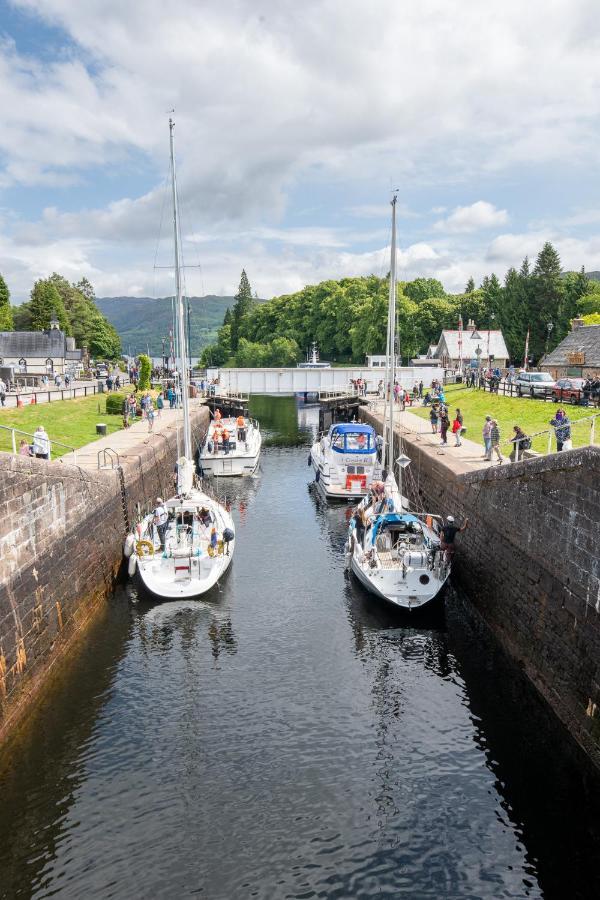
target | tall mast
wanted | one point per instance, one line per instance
(187, 437)
(392, 335)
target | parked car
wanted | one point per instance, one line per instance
(534, 384)
(568, 389)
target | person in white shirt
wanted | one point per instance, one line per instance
(41, 443)
(2, 392)
(161, 521)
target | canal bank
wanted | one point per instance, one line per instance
(61, 540)
(529, 560)
(288, 737)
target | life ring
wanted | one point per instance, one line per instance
(144, 548)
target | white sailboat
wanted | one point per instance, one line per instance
(232, 446)
(394, 552)
(186, 553)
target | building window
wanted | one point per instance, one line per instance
(23, 364)
(49, 366)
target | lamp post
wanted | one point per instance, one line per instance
(492, 317)
(549, 328)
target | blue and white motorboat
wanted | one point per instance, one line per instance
(345, 461)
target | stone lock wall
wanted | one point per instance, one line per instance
(61, 546)
(530, 562)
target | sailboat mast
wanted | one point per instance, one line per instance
(392, 335)
(187, 437)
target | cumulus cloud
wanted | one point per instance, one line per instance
(472, 218)
(287, 110)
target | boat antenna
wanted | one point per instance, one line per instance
(187, 438)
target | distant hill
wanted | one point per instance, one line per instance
(143, 322)
(593, 276)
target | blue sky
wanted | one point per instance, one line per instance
(293, 123)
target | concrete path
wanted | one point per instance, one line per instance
(466, 458)
(123, 441)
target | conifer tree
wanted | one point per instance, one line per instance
(546, 300)
(470, 286)
(241, 308)
(6, 316)
(46, 302)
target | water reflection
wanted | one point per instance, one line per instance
(290, 737)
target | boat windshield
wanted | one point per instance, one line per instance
(362, 441)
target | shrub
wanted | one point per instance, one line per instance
(145, 369)
(114, 404)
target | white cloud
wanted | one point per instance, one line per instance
(475, 217)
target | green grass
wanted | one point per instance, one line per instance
(531, 415)
(72, 422)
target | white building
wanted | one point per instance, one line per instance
(37, 353)
(378, 360)
(472, 347)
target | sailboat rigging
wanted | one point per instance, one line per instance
(187, 544)
(394, 552)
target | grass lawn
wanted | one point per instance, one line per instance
(531, 415)
(72, 422)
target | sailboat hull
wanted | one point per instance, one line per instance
(159, 578)
(407, 593)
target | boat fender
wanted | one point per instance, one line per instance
(138, 530)
(318, 475)
(309, 460)
(129, 545)
(131, 565)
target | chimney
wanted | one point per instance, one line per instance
(577, 323)
(470, 325)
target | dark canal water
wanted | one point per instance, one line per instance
(291, 739)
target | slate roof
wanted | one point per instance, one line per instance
(497, 345)
(32, 344)
(586, 338)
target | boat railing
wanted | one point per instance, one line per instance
(53, 443)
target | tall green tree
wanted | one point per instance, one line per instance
(470, 286)
(241, 308)
(6, 316)
(46, 302)
(547, 296)
(424, 288)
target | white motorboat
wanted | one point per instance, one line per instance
(186, 546)
(232, 447)
(394, 552)
(345, 461)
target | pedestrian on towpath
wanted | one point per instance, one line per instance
(487, 438)
(433, 418)
(444, 426)
(457, 427)
(562, 430)
(495, 441)
(520, 442)
(41, 443)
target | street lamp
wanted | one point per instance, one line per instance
(549, 328)
(492, 317)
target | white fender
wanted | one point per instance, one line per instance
(129, 545)
(132, 565)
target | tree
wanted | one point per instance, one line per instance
(592, 318)
(423, 289)
(145, 370)
(6, 316)
(470, 286)
(45, 303)
(241, 308)
(546, 301)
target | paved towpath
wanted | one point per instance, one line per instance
(466, 458)
(122, 442)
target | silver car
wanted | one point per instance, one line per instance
(534, 384)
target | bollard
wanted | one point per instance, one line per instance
(14, 442)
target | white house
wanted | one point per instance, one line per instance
(472, 347)
(378, 360)
(38, 353)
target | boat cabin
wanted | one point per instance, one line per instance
(352, 438)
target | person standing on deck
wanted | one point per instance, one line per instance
(448, 533)
(161, 520)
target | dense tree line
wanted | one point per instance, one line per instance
(73, 305)
(348, 318)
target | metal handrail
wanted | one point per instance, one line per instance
(28, 434)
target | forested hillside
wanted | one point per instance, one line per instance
(348, 318)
